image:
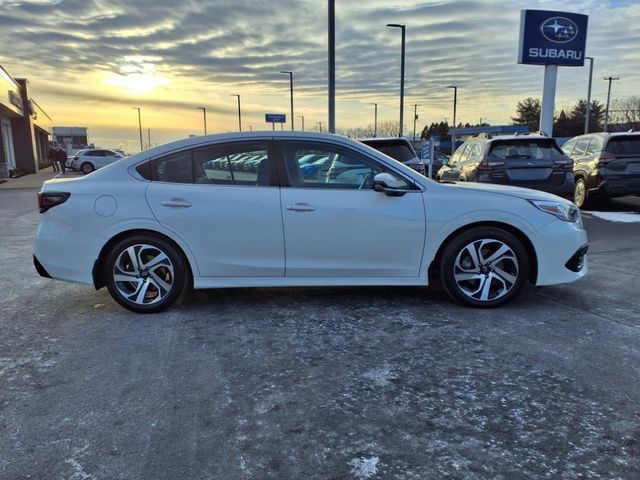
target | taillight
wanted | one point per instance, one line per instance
(603, 160)
(489, 165)
(47, 200)
(564, 163)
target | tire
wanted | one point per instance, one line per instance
(150, 289)
(87, 167)
(470, 255)
(580, 193)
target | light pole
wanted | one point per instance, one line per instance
(332, 65)
(587, 115)
(606, 115)
(149, 137)
(291, 89)
(239, 114)
(415, 117)
(455, 105)
(302, 117)
(139, 126)
(204, 114)
(404, 29)
(375, 119)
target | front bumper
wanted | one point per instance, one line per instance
(561, 252)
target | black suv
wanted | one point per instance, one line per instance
(605, 165)
(399, 149)
(530, 160)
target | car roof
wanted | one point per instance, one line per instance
(384, 140)
(519, 137)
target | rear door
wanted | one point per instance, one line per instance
(230, 218)
(532, 163)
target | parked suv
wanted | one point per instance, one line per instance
(399, 149)
(530, 160)
(89, 160)
(605, 165)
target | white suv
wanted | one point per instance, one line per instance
(89, 160)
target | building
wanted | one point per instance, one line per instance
(72, 139)
(25, 128)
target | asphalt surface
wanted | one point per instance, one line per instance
(327, 383)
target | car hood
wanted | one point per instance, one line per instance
(520, 192)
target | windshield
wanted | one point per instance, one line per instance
(530, 150)
(624, 145)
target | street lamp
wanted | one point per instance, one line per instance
(375, 119)
(302, 117)
(204, 114)
(403, 28)
(606, 115)
(239, 114)
(587, 115)
(139, 126)
(455, 104)
(291, 89)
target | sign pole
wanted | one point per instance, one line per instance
(548, 99)
(432, 147)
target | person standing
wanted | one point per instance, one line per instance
(62, 158)
(52, 155)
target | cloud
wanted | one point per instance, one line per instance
(223, 47)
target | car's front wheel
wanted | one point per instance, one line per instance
(484, 267)
(145, 273)
(87, 167)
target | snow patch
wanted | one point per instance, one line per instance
(364, 467)
(379, 376)
(624, 217)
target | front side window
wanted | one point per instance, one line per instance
(594, 146)
(567, 148)
(332, 167)
(581, 147)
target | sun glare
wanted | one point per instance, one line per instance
(136, 76)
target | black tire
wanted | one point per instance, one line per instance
(165, 280)
(510, 269)
(580, 193)
(87, 167)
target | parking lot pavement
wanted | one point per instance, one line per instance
(331, 383)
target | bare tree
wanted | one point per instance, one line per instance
(625, 114)
(385, 129)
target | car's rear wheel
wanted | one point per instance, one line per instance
(580, 193)
(87, 167)
(484, 267)
(145, 273)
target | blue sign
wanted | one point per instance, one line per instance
(552, 38)
(275, 118)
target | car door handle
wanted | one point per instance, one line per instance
(301, 207)
(176, 203)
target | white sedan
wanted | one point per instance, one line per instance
(149, 225)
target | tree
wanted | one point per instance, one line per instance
(528, 111)
(596, 117)
(625, 114)
(563, 126)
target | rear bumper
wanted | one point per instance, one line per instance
(564, 190)
(617, 187)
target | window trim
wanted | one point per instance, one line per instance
(284, 177)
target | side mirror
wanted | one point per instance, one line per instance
(389, 185)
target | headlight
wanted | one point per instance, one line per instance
(568, 213)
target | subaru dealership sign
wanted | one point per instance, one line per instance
(552, 38)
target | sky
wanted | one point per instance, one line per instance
(89, 62)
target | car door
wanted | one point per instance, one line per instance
(230, 219)
(336, 225)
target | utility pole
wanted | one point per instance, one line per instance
(320, 126)
(415, 117)
(149, 136)
(291, 89)
(587, 115)
(302, 117)
(606, 115)
(332, 67)
(239, 114)
(455, 104)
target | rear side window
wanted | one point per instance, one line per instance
(175, 168)
(624, 145)
(525, 149)
(581, 147)
(594, 146)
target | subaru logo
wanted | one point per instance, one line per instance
(559, 29)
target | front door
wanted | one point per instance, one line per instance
(229, 217)
(336, 225)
